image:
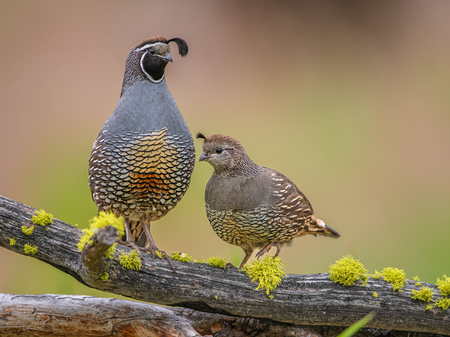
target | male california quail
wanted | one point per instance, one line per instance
(142, 161)
(253, 206)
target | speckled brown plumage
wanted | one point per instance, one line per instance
(141, 163)
(252, 206)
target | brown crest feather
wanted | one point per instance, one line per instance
(151, 40)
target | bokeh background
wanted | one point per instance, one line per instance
(349, 99)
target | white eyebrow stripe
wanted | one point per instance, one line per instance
(146, 46)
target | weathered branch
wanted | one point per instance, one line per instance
(57, 315)
(93, 255)
(300, 299)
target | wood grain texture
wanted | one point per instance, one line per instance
(62, 315)
(300, 299)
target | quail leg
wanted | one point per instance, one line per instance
(267, 248)
(129, 242)
(248, 253)
(152, 247)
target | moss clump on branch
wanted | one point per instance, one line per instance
(130, 261)
(444, 285)
(103, 219)
(110, 252)
(348, 271)
(217, 262)
(444, 289)
(158, 254)
(85, 238)
(425, 294)
(377, 275)
(12, 241)
(443, 303)
(269, 273)
(30, 249)
(26, 230)
(394, 276)
(182, 257)
(42, 218)
(375, 295)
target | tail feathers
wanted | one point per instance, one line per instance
(137, 233)
(318, 227)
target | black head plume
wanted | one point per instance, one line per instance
(182, 45)
(200, 135)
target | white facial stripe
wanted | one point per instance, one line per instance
(147, 74)
(146, 46)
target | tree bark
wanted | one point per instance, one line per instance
(57, 315)
(300, 299)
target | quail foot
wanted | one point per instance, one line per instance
(252, 206)
(141, 163)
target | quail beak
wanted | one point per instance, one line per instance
(204, 157)
(167, 57)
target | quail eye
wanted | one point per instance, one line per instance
(219, 150)
(152, 52)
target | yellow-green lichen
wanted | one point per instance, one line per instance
(130, 261)
(268, 272)
(217, 262)
(365, 279)
(394, 276)
(105, 276)
(425, 294)
(199, 261)
(377, 275)
(86, 237)
(417, 279)
(347, 271)
(442, 303)
(215, 297)
(108, 219)
(103, 219)
(26, 230)
(30, 249)
(42, 218)
(428, 307)
(375, 295)
(182, 257)
(444, 285)
(110, 252)
(159, 254)
(12, 241)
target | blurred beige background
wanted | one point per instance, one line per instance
(349, 99)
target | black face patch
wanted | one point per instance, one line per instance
(153, 66)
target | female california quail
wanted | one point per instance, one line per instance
(142, 161)
(252, 206)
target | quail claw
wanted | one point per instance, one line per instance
(168, 259)
(229, 265)
(132, 245)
